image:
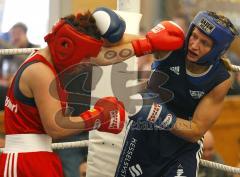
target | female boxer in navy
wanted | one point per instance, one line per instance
(182, 101)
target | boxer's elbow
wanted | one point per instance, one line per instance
(55, 134)
(195, 137)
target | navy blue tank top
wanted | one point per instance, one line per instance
(186, 91)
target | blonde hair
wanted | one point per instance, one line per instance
(227, 63)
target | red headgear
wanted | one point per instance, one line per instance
(69, 46)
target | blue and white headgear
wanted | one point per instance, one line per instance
(221, 34)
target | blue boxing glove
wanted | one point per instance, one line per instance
(152, 110)
(111, 25)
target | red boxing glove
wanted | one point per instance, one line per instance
(166, 36)
(108, 115)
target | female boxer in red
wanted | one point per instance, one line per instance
(32, 103)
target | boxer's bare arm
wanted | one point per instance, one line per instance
(113, 55)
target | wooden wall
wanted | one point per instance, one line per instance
(227, 131)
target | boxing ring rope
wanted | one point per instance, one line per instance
(19, 51)
(219, 166)
(76, 144)
(85, 143)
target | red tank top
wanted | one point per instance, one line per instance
(23, 118)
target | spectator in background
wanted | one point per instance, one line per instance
(4, 39)
(83, 167)
(18, 36)
(9, 64)
(210, 154)
(235, 88)
(17, 39)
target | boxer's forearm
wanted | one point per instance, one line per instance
(113, 55)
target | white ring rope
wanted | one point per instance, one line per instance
(67, 145)
(236, 68)
(18, 51)
(75, 144)
(219, 166)
(85, 143)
